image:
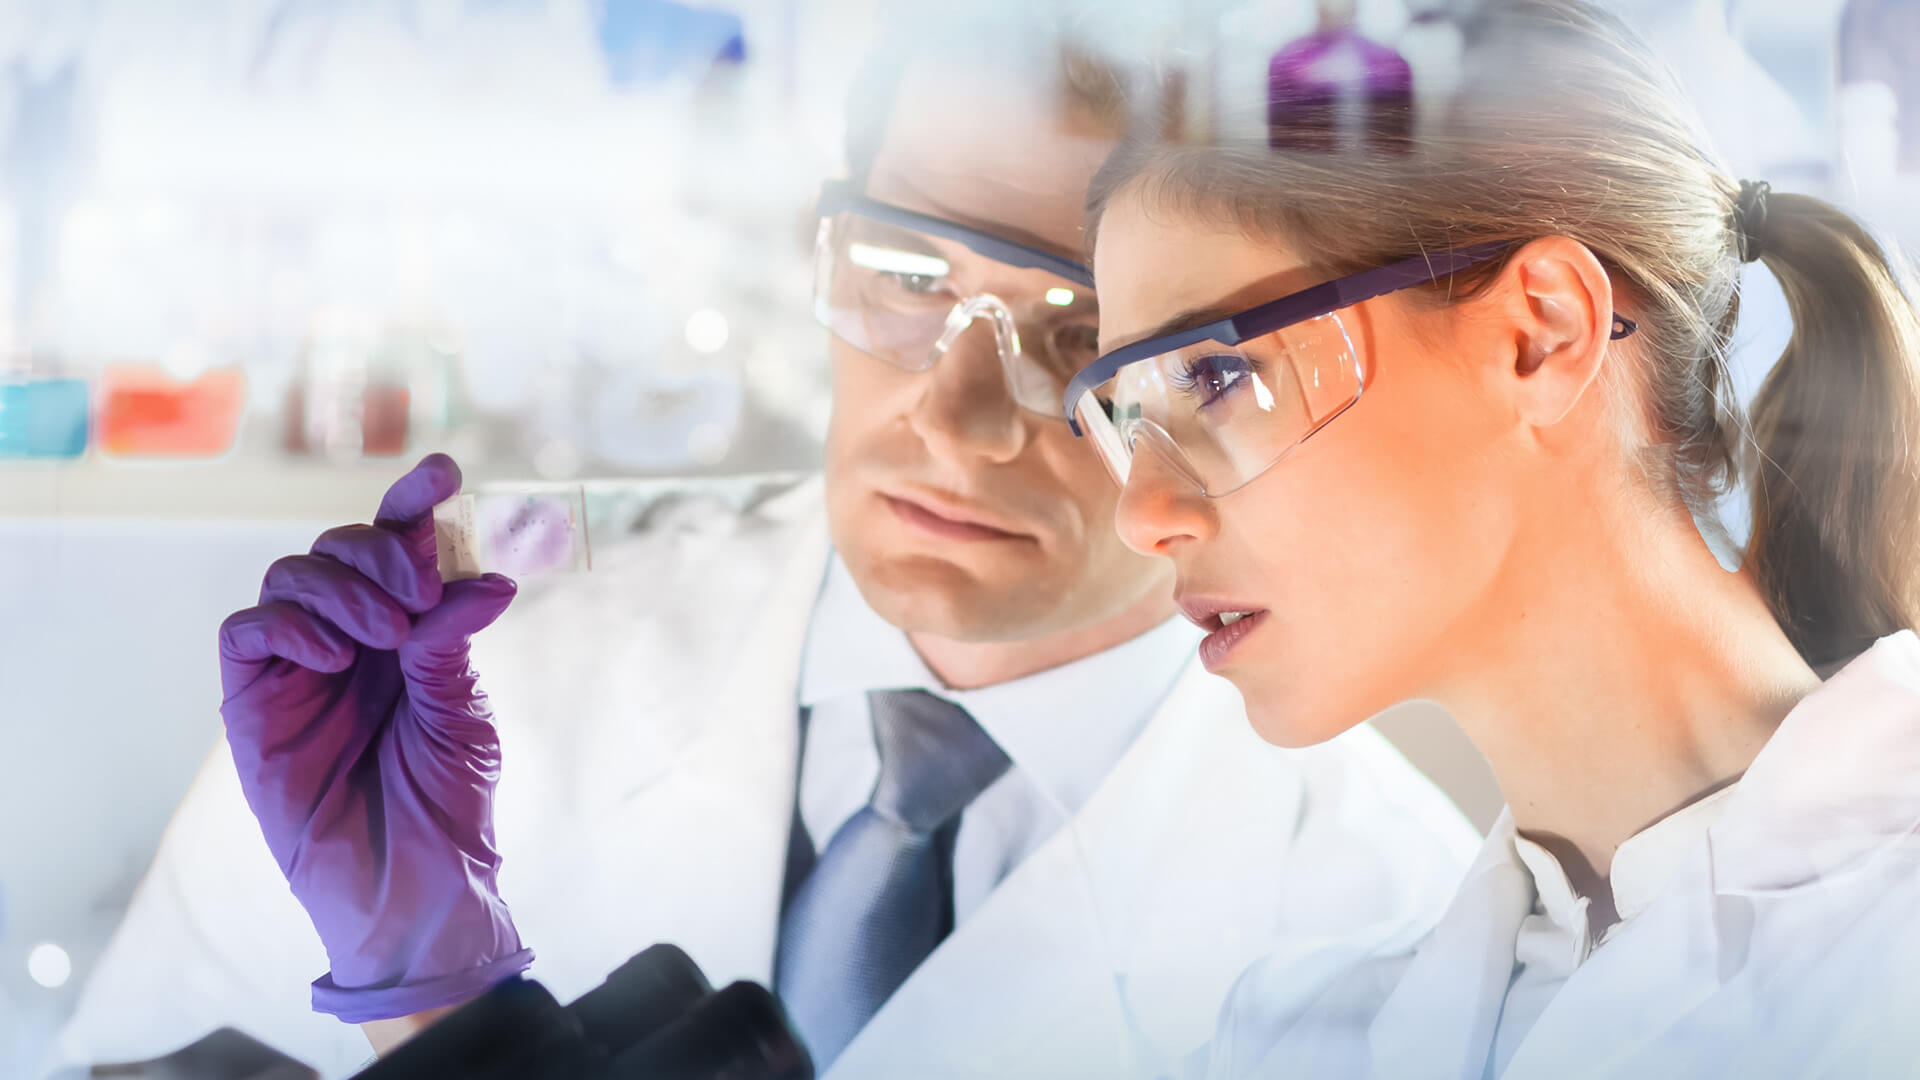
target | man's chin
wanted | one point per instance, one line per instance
(928, 594)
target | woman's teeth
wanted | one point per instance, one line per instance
(1228, 618)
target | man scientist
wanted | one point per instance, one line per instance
(917, 742)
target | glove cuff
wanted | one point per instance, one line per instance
(358, 1006)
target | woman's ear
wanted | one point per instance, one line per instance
(1556, 311)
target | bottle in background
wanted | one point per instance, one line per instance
(1336, 91)
(42, 416)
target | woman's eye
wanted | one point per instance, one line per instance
(1212, 378)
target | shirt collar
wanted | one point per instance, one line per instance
(1641, 866)
(1065, 727)
(1552, 889)
(1648, 860)
(851, 649)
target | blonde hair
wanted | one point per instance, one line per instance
(1567, 125)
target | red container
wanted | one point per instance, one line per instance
(145, 412)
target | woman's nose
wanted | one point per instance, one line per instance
(1160, 507)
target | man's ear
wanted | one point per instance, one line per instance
(1555, 305)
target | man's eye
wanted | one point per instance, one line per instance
(899, 267)
(919, 284)
(1079, 344)
(1070, 348)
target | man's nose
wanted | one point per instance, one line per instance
(966, 410)
(1160, 506)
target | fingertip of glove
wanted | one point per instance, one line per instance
(442, 469)
(466, 607)
(412, 497)
(497, 592)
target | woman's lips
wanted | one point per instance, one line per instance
(931, 521)
(1217, 646)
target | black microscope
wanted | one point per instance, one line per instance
(655, 1018)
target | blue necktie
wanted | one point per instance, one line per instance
(879, 898)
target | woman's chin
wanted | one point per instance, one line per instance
(1301, 699)
(1290, 720)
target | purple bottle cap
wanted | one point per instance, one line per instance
(1336, 90)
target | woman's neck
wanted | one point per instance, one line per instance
(1617, 675)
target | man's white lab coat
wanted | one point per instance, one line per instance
(649, 739)
(1786, 945)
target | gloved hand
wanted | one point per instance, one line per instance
(369, 755)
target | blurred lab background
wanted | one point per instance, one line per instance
(256, 256)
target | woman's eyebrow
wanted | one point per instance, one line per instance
(1191, 319)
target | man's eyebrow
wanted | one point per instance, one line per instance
(1191, 319)
(936, 207)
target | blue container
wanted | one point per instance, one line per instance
(43, 418)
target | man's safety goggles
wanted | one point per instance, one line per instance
(1224, 401)
(902, 287)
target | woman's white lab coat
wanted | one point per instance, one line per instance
(1786, 944)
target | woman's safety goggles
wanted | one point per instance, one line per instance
(1224, 401)
(902, 287)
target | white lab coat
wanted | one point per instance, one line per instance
(1787, 944)
(649, 738)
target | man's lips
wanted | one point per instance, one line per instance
(948, 518)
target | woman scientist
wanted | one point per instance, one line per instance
(1437, 421)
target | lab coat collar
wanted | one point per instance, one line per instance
(737, 779)
(1440, 1019)
(1110, 695)
(1838, 783)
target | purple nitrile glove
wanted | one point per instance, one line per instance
(369, 755)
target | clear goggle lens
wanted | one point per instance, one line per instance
(1221, 415)
(906, 298)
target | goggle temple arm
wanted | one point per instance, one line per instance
(1293, 308)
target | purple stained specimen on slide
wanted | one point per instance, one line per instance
(530, 536)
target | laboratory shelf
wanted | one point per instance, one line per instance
(301, 490)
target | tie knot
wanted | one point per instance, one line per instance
(934, 758)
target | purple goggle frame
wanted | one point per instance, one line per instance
(1310, 303)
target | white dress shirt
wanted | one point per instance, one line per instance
(1557, 937)
(1063, 729)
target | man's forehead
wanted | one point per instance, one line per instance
(992, 150)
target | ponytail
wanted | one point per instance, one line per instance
(1836, 498)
